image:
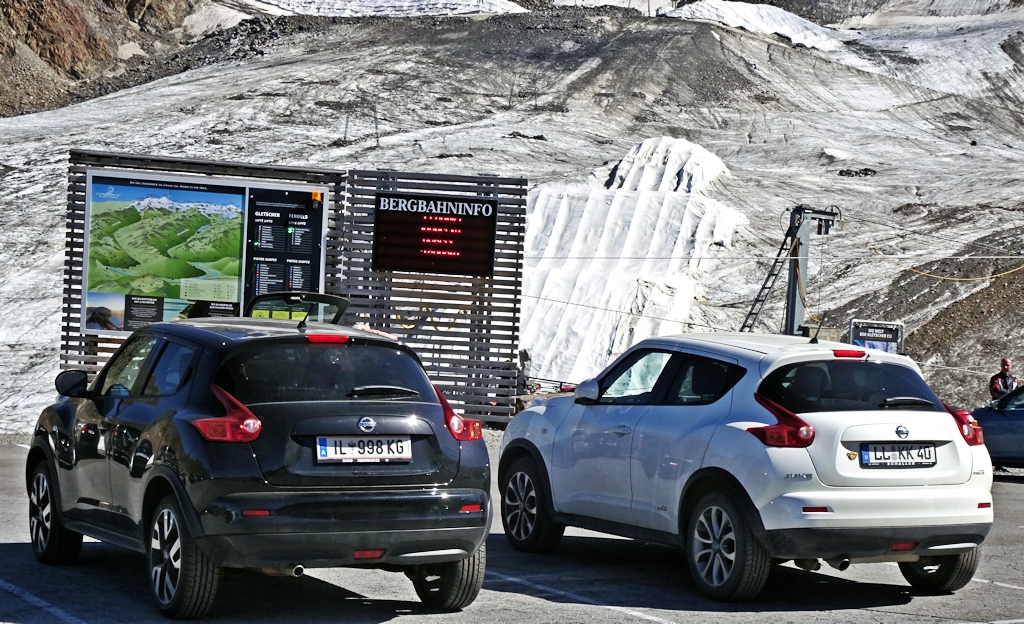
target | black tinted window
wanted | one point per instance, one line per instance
(839, 385)
(171, 370)
(124, 369)
(702, 381)
(272, 372)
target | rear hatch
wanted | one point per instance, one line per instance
(341, 414)
(876, 423)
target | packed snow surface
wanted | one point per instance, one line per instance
(761, 19)
(609, 265)
(394, 8)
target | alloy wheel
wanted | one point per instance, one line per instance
(714, 546)
(39, 513)
(521, 505)
(165, 556)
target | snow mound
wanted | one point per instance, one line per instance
(761, 19)
(619, 260)
(394, 8)
(209, 17)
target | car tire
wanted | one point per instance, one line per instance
(524, 509)
(183, 579)
(726, 561)
(51, 542)
(450, 586)
(941, 575)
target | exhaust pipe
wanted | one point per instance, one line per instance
(293, 571)
(839, 564)
(811, 565)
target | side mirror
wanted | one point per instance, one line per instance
(588, 392)
(72, 383)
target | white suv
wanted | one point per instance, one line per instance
(748, 448)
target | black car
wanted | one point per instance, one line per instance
(1003, 423)
(220, 444)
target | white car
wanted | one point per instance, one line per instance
(747, 450)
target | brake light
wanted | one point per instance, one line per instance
(238, 424)
(327, 338)
(790, 431)
(462, 429)
(969, 428)
(471, 509)
(903, 546)
(368, 554)
(849, 353)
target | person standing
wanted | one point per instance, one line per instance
(1004, 381)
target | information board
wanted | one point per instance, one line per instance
(452, 235)
(285, 236)
(163, 246)
(881, 335)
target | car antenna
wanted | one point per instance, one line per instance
(302, 326)
(821, 321)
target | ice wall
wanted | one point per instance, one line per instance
(760, 18)
(618, 260)
(394, 8)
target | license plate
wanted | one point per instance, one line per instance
(364, 449)
(890, 455)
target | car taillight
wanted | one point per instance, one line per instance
(462, 429)
(969, 428)
(790, 431)
(238, 424)
(848, 353)
(327, 338)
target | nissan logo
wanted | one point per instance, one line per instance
(901, 431)
(366, 425)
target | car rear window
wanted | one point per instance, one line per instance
(271, 372)
(837, 385)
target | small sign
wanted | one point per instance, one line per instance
(452, 235)
(881, 335)
(285, 232)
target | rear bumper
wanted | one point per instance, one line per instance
(323, 529)
(868, 543)
(335, 549)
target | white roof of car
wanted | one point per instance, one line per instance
(767, 350)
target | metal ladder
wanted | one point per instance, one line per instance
(769, 281)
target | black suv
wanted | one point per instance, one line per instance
(223, 444)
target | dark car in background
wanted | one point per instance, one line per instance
(1003, 423)
(217, 444)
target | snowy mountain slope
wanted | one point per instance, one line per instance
(761, 19)
(394, 8)
(552, 95)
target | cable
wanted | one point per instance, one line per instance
(944, 239)
(656, 318)
(956, 368)
(919, 272)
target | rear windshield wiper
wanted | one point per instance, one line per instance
(906, 402)
(362, 391)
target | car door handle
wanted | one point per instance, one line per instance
(104, 426)
(622, 430)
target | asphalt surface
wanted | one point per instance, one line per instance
(590, 578)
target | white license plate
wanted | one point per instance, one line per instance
(364, 449)
(892, 455)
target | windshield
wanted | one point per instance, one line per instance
(838, 385)
(270, 372)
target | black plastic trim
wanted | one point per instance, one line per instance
(616, 528)
(852, 543)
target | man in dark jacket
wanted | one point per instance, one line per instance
(1004, 381)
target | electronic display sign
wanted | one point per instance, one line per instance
(285, 231)
(452, 235)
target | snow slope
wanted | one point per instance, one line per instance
(552, 97)
(612, 264)
(761, 19)
(394, 8)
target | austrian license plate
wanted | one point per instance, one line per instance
(364, 449)
(890, 455)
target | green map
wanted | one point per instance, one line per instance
(163, 249)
